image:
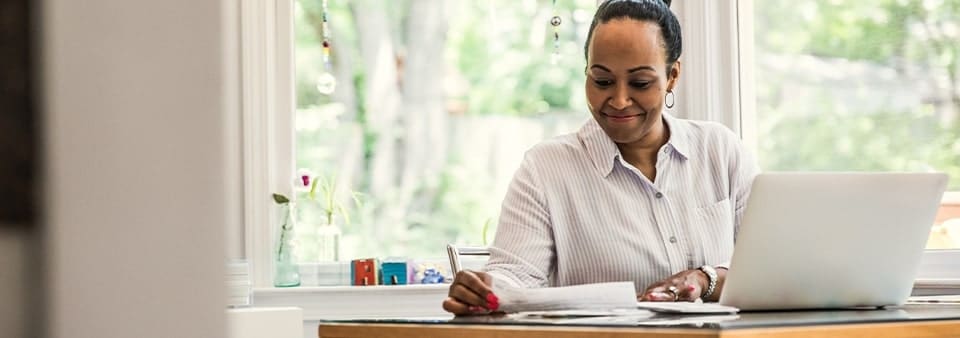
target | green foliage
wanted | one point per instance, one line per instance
(876, 142)
(329, 204)
(486, 229)
(905, 35)
(894, 32)
(503, 50)
(280, 199)
(500, 51)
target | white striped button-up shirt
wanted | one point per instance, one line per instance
(577, 213)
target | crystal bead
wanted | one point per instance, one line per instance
(555, 21)
(326, 83)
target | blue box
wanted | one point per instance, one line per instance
(397, 272)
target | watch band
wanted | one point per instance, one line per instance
(712, 276)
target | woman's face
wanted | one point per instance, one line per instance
(627, 78)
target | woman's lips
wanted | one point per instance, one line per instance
(621, 118)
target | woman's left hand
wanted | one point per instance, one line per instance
(686, 286)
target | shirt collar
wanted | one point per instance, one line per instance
(679, 134)
(603, 152)
(601, 149)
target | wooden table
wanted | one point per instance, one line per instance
(934, 320)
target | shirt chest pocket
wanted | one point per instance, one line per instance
(715, 229)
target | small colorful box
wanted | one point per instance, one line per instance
(365, 271)
(430, 274)
(397, 271)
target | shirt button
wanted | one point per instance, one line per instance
(673, 239)
(658, 194)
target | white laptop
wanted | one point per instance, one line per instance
(831, 240)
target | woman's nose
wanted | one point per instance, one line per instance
(620, 99)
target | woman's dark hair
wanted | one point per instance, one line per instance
(656, 11)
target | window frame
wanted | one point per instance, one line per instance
(266, 46)
(718, 58)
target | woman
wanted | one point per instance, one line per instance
(634, 195)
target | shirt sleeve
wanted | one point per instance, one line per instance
(523, 251)
(742, 171)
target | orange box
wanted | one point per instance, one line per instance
(365, 271)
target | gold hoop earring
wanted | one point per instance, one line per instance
(673, 99)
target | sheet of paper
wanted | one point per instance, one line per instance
(687, 307)
(629, 320)
(585, 313)
(601, 296)
(687, 320)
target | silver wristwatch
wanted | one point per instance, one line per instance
(712, 276)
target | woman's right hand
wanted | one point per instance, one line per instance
(471, 293)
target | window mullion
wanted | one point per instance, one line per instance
(709, 86)
(266, 42)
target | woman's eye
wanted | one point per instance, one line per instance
(640, 85)
(603, 83)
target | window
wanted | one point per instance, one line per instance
(877, 80)
(434, 105)
(862, 86)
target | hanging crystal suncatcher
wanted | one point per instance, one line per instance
(555, 21)
(326, 82)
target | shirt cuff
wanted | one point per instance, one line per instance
(499, 277)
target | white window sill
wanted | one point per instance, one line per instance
(939, 271)
(935, 287)
(356, 302)
(388, 301)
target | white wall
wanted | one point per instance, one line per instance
(137, 155)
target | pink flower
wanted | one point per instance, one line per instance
(303, 180)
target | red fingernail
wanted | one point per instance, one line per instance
(493, 306)
(491, 298)
(475, 309)
(690, 288)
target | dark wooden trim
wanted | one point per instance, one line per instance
(19, 130)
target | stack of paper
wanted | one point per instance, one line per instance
(697, 307)
(591, 300)
(639, 318)
(602, 296)
(238, 283)
(585, 313)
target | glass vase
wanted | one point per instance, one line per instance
(328, 243)
(286, 271)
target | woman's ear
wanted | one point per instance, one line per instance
(672, 75)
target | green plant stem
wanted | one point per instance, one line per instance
(283, 234)
(283, 231)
